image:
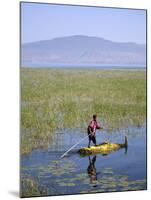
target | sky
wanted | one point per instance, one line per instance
(48, 21)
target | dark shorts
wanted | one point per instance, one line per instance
(93, 138)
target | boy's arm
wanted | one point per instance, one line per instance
(98, 126)
(91, 132)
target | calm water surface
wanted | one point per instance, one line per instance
(44, 173)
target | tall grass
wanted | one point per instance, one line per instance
(54, 99)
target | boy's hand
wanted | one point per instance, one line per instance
(92, 133)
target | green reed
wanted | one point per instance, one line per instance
(53, 99)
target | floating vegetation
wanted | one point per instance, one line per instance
(29, 188)
(107, 171)
(65, 176)
(67, 184)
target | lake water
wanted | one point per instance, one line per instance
(86, 66)
(44, 173)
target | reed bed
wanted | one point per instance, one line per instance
(53, 99)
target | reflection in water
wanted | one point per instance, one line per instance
(91, 170)
(126, 148)
(44, 173)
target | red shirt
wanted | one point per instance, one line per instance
(93, 126)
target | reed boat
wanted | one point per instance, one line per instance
(103, 148)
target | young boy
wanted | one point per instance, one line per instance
(92, 130)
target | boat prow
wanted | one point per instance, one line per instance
(104, 148)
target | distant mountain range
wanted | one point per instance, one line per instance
(82, 50)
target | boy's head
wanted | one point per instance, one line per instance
(94, 117)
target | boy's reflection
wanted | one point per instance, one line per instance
(92, 170)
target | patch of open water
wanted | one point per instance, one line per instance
(44, 173)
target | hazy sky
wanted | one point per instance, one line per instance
(47, 21)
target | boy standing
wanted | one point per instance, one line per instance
(92, 130)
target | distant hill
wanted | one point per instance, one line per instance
(82, 50)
